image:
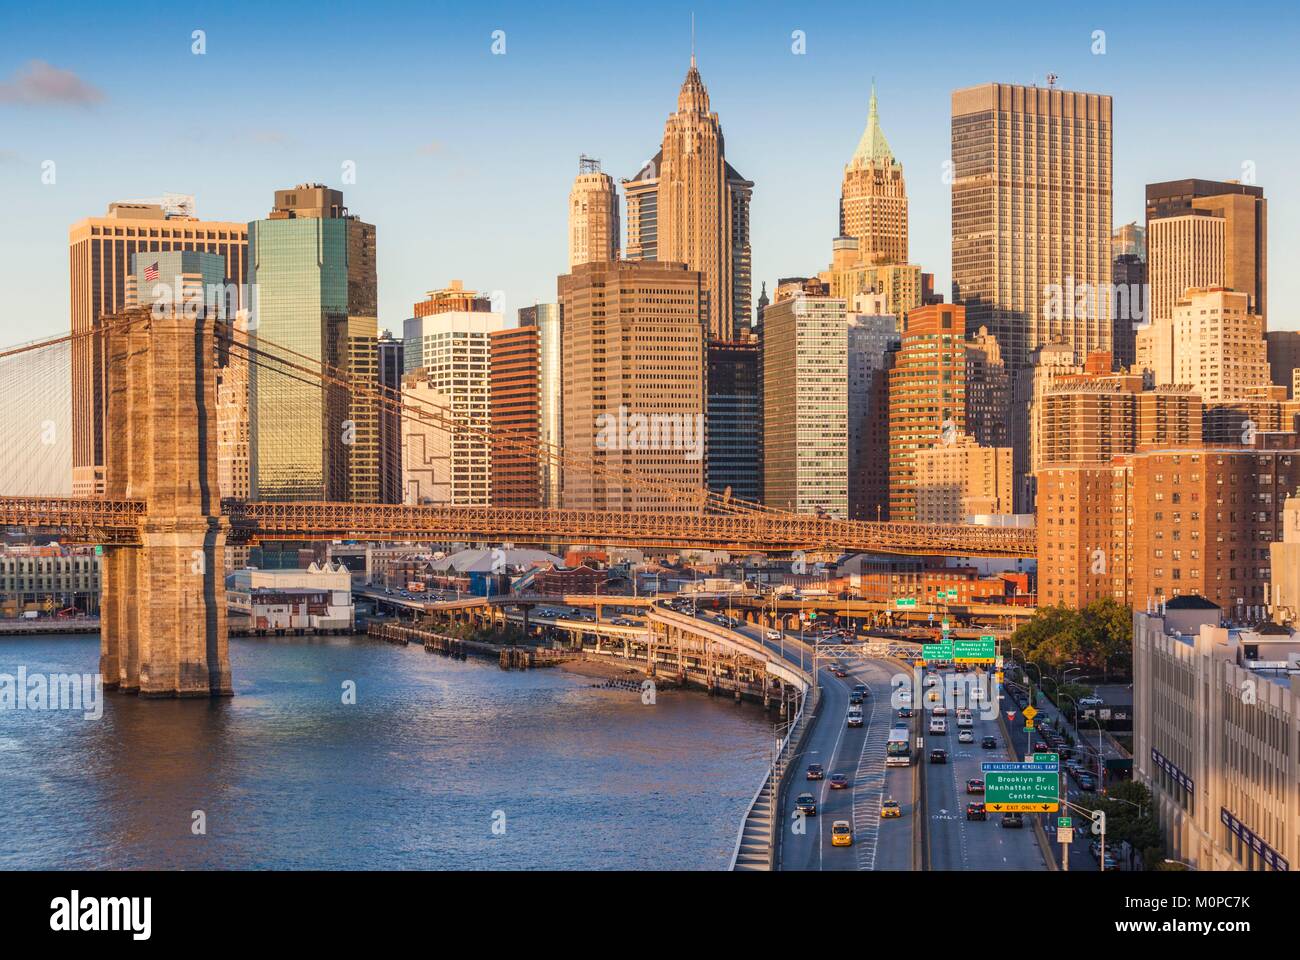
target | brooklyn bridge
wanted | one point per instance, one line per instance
(164, 527)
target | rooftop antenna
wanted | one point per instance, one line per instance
(1051, 79)
(692, 38)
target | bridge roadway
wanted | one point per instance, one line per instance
(112, 521)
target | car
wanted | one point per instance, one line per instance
(904, 696)
(1013, 820)
(1091, 701)
(938, 756)
(806, 803)
(841, 834)
(839, 781)
(855, 698)
(976, 811)
(860, 688)
(989, 743)
(774, 635)
(939, 711)
(904, 713)
(890, 808)
(855, 717)
(816, 772)
(1040, 746)
(974, 785)
(965, 736)
(839, 672)
(1087, 782)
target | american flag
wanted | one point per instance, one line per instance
(151, 273)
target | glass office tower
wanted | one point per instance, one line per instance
(314, 299)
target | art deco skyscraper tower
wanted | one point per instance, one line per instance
(690, 206)
(873, 198)
(593, 215)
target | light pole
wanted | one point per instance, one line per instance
(1180, 862)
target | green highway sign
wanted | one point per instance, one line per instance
(989, 638)
(936, 652)
(1047, 758)
(1021, 791)
(901, 602)
(983, 650)
(1064, 823)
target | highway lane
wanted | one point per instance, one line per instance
(859, 754)
(956, 843)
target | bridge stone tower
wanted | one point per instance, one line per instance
(163, 608)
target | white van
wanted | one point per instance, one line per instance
(938, 725)
(855, 717)
(964, 719)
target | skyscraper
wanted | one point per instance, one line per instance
(805, 400)
(1031, 228)
(689, 205)
(634, 383)
(515, 358)
(872, 340)
(873, 197)
(545, 317)
(927, 396)
(1031, 215)
(100, 251)
(391, 369)
(1240, 260)
(988, 391)
(735, 419)
(593, 215)
(312, 269)
(448, 358)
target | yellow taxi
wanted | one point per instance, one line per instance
(890, 808)
(841, 834)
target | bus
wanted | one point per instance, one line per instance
(898, 752)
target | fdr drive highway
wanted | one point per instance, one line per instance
(929, 826)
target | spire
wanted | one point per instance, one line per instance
(873, 147)
(693, 98)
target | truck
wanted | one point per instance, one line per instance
(31, 614)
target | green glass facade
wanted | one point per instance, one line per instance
(311, 279)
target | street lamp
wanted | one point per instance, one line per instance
(1183, 863)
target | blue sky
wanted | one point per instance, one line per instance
(464, 159)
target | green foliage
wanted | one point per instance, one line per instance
(1135, 825)
(1099, 636)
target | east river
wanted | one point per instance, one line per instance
(439, 764)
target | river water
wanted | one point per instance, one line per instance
(439, 764)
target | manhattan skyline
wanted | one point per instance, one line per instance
(464, 158)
